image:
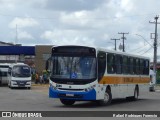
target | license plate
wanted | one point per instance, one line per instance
(70, 95)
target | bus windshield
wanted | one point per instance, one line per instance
(66, 67)
(21, 71)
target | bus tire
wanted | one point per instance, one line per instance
(107, 98)
(67, 102)
(136, 94)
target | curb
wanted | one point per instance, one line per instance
(47, 85)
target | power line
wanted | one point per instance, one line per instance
(146, 51)
(144, 39)
(137, 48)
(142, 50)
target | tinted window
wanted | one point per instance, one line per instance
(137, 66)
(131, 65)
(118, 63)
(146, 67)
(134, 66)
(101, 64)
(125, 64)
(110, 63)
(141, 66)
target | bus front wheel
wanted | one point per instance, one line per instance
(136, 93)
(107, 98)
(67, 102)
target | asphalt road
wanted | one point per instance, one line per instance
(37, 99)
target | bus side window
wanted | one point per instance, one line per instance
(141, 66)
(131, 65)
(101, 64)
(118, 63)
(125, 65)
(137, 66)
(134, 66)
(110, 63)
(146, 67)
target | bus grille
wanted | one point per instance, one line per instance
(71, 89)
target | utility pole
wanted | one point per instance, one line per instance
(155, 47)
(16, 35)
(123, 38)
(115, 43)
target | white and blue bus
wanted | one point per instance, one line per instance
(81, 73)
(19, 75)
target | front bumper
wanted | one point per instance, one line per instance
(73, 95)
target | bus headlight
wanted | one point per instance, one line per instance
(54, 87)
(90, 88)
(14, 82)
(28, 82)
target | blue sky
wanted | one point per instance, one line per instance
(80, 22)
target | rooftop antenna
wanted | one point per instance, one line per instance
(16, 42)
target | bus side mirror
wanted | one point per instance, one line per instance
(48, 65)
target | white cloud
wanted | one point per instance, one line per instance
(23, 22)
(127, 5)
(24, 35)
(73, 5)
(66, 37)
(78, 20)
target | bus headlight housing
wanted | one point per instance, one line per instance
(53, 87)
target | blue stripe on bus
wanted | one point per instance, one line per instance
(90, 95)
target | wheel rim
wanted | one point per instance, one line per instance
(106, 97)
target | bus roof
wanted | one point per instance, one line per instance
(106, 50)
(121, 53)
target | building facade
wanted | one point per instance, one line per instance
(8, 58)
(42, 53)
